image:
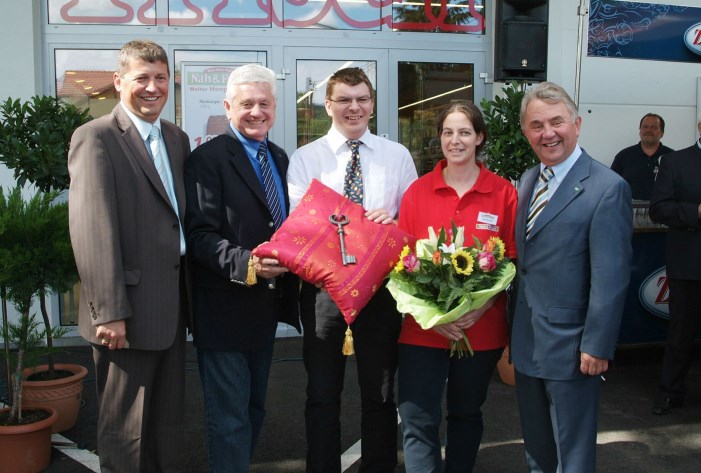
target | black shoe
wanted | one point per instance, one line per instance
(664, 405)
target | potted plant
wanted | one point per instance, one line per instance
(508, 154)
(35, 258)
(23, 429)
(36, 255)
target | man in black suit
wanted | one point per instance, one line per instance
(676, 202)
(236, 198)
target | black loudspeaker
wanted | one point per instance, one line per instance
(521, 40)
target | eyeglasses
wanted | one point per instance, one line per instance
(365, 99)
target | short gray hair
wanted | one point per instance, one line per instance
(250, 73)
(551, 93)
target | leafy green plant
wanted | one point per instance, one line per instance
(508, 152)
(35, 253)
(34, 139)
(28, 339)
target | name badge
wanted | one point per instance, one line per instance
(484, 217)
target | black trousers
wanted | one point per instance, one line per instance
(375, 334)
(685, 316)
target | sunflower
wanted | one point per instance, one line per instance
(498, 248)
(463, 262)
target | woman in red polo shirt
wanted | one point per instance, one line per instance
(462, 190)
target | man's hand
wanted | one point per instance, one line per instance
(593, 365)
(268, 268)
(380, 216)
(113, 334)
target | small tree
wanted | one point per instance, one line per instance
(35, 253)
(508, 152)
(34, 139)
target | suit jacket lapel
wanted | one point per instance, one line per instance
(566, 192)
(139, 154)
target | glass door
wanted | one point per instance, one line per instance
(424, 81)
(305, 90)
(410, 88)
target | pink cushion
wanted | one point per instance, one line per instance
(308, 244)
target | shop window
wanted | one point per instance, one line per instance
(453, 16)
(102, 12)
(84, 78)
(219, 13)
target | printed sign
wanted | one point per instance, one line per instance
(692, 39)
(654, 293)
(203, 92)
(634, 30)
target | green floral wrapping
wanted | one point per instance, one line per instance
(427, 314)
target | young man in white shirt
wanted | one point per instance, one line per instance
(387, 170)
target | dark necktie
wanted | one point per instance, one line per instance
(353, 183)
(271, 195)
(540, 198)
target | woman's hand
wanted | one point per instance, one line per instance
(450, 331)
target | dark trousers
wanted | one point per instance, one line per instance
(375, 333)
(685, 315)
(423, 372)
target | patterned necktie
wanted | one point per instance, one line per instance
(540, 198)
(271, 195)
(353, 183)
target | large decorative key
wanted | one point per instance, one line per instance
(340, 221)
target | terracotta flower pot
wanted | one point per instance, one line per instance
(63, 394)
(506, 369)
(27, 448)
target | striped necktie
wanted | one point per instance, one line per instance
(353, 182)
(540, 198)
(271, 195)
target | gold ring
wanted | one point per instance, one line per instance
(106, 341)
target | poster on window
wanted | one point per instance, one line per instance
(203, 88)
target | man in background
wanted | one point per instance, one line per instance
(638, 164)
(126, 204)
(676, 202)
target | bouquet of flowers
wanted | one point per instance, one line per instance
(440, 280)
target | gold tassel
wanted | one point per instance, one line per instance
(251, 278)
(348, 343)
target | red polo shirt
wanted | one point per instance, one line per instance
(486, 210)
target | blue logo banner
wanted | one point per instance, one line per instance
(635, 30)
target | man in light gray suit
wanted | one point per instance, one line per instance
(574, 227)
(126, 204)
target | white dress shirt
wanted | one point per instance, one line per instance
(388, 169)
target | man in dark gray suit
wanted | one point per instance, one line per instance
(676, 202)
(574, 227)
(126, 201)
(236, 198)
